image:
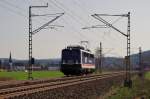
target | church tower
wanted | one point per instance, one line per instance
(10, 62)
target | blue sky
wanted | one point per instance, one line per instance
(48, 43)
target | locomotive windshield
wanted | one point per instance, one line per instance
(71, 56)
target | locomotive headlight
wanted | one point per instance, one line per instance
(64, 62)
(76, 62)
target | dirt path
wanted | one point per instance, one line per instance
(5, 79)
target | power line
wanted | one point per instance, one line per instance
(71, 13)
(13, 5)
(13, 11)
(82, 7)
(16, 12)
(84, 10)
(63, 9)
(73, 29)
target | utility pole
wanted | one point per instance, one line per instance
(141, 69)
(31, 32)
(100, 60)
(140, 63)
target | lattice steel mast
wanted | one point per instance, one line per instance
(128, 81)
(31, 59)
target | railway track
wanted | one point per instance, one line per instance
(11, 84)
(20, 88)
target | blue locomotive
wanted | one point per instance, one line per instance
(76, 60)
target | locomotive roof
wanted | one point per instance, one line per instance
(76, 47)
(79, 48)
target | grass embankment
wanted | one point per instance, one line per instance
(141, 88)
(21, 75)
(147, 75)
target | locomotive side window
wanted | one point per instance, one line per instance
(87, 58)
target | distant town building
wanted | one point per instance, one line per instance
(10, 64)
(0, 63)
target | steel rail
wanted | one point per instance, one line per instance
(11, 84)
(9, 92)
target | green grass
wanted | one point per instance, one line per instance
(141, 88)
(21, 75)
(147, 75)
